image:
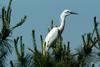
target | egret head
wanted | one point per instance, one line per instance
(67, 13)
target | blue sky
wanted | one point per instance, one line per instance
(40, 13)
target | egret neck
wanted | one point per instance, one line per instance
(62, 24)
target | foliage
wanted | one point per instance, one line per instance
(60, 54)
(22, 59)
(5, 42)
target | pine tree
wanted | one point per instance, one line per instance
(5, 42)
(60, 55)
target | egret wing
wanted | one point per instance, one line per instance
(51, 36)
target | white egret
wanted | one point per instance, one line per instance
(54, 33)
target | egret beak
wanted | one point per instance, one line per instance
(74, 13)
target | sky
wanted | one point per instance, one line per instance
(40, 13)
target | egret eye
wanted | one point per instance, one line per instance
(68, 11)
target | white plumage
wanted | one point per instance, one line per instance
(54, 33)
(50, 37)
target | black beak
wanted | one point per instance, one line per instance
(74, 13)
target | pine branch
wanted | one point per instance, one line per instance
(52, 24)
(11, 63)
(20, 23)
(16, 49)
(34, 41)
(96, 31)
(23, 60)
